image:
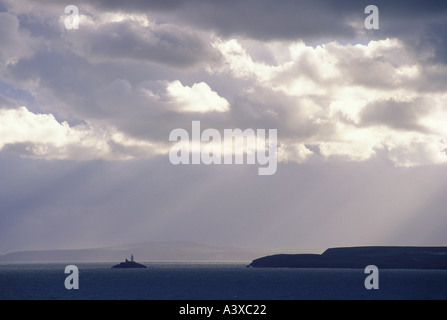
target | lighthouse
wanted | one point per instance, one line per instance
(129, 264)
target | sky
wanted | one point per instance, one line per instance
(86, 114)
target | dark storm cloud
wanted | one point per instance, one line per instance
(266, 19)
(129, 40)
(260, 19)
(285, 19)
(421, 24)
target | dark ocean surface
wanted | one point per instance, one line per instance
(183, 281)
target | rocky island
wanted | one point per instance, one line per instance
(360, 257)
(128, 264)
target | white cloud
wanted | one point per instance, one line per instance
(198, 98)
(241, 65)
(42, 136)
(329, 87)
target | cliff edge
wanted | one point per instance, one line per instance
(360, 257)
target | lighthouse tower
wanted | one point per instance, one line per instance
(131, 258)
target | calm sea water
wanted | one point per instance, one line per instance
(97, 281)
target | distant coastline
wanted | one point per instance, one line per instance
(173, 251)
(360, 257)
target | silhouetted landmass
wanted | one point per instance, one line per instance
(360, 257)
(129, 265)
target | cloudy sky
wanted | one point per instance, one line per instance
(85, 118)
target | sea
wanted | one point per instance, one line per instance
(214, 281)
